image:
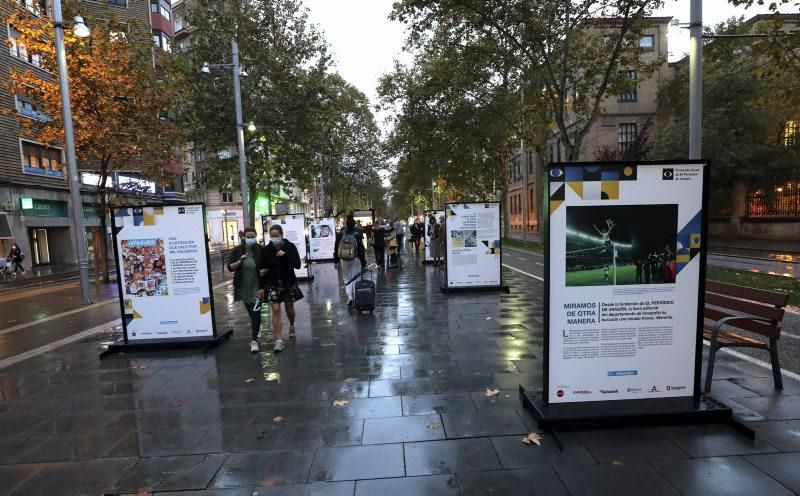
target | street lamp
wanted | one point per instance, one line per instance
(237, 97)
(251, 127)
(76, 213)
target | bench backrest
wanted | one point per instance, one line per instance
(225, 254)
(749, 301)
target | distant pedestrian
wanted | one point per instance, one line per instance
(443, 239)
(416, 234)
(15, 256)
(379, 235)
(435, 244)
(646, 268)
(246, 261)
(399, 232)
(638, 264)
(281, 260)
(605, 274)
(349, 252)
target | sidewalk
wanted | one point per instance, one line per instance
(37, 276)
(389, 404)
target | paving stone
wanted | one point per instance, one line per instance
(358, 462)
(783, 434)
(450, 456)
(14, 476)
(514, 453)
(426, 485)
(483, 423)
(534, 482)
(403, 429)
(630, 445)
(268, 468)
(82, 477)
(343, 488)
(779, 407)
(718, 476)
(626, 479)
(704, 440)
(782, 467)
(427, 404)
(171, 473)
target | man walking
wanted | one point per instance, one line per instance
(399, 232)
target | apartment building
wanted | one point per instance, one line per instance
(34, 188)
(623, 117)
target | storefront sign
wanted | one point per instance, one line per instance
(33, 207)
(472, 240)
(624, 273)
(294, 229)
(165, 286)
(322, 239)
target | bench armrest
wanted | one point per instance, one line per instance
(723, 321)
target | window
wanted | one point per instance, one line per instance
(19, 51)
(178, 24)
(626, 135)
(647, 41)
(530, 163)
(628, 96)
(41, 160)
(161, 40)
(790, 133)
(227, 197)
(165, 12)
(26, 107)
(34, 6)
(118, 3)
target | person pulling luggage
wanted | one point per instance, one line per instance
(349, 252)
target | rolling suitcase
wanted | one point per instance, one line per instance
(365, 294)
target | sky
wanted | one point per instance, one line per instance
(365, 42)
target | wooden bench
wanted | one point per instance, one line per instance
(225, 254)
(739, 308)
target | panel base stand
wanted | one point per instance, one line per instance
(122, 347)
(628, 413)
(502, 288)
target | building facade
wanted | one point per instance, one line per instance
(34, 189)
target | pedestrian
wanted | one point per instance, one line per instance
(416, 234)
(646, 267)
(605, 274)
(435, 244)
(638, 264)
(399, 232)
(379, 235)
(281, 260)
(349, 252)
(246, 261)
(443, 239)
(15, 256)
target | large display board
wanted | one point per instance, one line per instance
(473, 247)
(625, 274)
(364, 217)
(322, 238)
(427, 225)
(294, 229)
(164, 281)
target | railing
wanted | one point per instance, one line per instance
(775, 199)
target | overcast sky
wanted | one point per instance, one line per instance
(365, 42)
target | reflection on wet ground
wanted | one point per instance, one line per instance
(389, 403)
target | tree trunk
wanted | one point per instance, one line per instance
(101, 191)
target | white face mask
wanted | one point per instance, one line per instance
(276, 240)
(250, 241)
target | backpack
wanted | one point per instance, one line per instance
(347, 247)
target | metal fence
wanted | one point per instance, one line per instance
(774, 199)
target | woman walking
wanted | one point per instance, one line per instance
(246, 261)
(281, 260)
(16, 257)
(435, 244)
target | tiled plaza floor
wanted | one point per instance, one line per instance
(415, 419)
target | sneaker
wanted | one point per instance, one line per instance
(254, 346)
(278, 346)
(292, 332)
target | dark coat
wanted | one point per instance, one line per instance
(280, 270)
(236, 254)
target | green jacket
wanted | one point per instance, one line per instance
(236, 254)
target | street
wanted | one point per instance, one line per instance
(393, 403)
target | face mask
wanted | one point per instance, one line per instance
(276, 241)
(250, 241)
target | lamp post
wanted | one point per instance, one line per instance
(695, 79)
(225, 227)
(76, 212)
(237, 97)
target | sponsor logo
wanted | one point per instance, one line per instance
(133, 334)
(181, 210)
(609, 391)
(654, 390)
(634, 390)
(675, 388)
(560, 393)
(582, 391)
(668, 174)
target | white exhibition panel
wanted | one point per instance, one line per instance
(623, 278)
(163, 261)
(294, 229)
(426, 227)
(472, 231)
(322, 238)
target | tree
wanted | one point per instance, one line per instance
(120, 101)
(749, 100)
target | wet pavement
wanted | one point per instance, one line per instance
(390, 403)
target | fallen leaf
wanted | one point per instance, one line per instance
(350, 379)
(179, 403)
(434, 426)
(249, 380)
(326, 345)
(533, 437)
(278, 419)
(488, 317)
(491, 393)
(141, 367)
(340, 402)
(617, 463)
(272, 482)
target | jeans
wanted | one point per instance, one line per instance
(255, 319)
(380, 255)
(400, 241)
(350, 268)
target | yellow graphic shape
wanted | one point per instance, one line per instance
(205, 307)
(554, 205)
(683, 258)
(136, 315)
(577, 187)
(694, 241)
(611, 189)
(628, 171)
(149, 219)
